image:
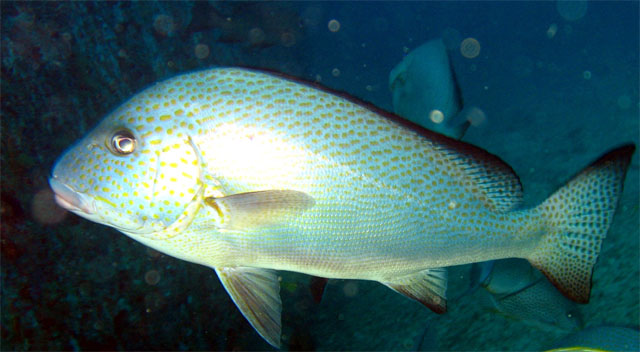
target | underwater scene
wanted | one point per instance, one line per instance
(317, 175)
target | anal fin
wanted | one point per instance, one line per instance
(427, 287)
(256, 292)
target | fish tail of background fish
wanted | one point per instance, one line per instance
(576, 220)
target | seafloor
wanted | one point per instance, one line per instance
(557, 88)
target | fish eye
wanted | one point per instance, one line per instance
(123, 142)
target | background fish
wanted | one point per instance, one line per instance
(515, 289)
(425, 90)
(247, 172)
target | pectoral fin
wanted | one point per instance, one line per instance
(427, 287)
(244, 211)
(256, 292)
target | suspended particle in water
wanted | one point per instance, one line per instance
(154, 301)
(164, 25)
(98, 325)
(334, 25)
(451, 38)
(436, 116)
(287, 39)
(571, 10)
(153, 253)
(256, 36)
(44, 208)
(318, 78)
(201, 51)
(624, 102)
(152, 277)
(586, 75)
(552, 30)
(311, 16)
(350, 289)
(476, 117)
(335, 72)
(470, 48)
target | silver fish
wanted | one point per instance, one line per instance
(249, 172)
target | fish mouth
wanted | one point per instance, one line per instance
(69, 199)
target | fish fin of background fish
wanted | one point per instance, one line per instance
(317, 286)
(244, 211)
(457, 126)
(479, 275)
(578, 217)
(256, 292)
(427, 287)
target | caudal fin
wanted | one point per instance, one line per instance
(577, 218)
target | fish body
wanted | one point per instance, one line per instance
(245, 172)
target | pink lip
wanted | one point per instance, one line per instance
(68, 198)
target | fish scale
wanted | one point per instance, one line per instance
(246, 172)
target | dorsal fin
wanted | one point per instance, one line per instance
(492, 181)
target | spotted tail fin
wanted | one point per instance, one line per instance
(578, 217)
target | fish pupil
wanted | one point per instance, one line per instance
(123, 142)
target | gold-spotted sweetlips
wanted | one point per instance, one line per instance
(250, 172)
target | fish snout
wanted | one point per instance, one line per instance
(69, 199)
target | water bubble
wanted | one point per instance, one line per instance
(152, 277)
(334, 25)
(201, 51)
(470, 48)
(44, 208)
(335, 72)
(436, 116)
(572, 10)
(164, 25)
(586, 75)
(552, 30)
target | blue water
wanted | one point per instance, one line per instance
(556, 93)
